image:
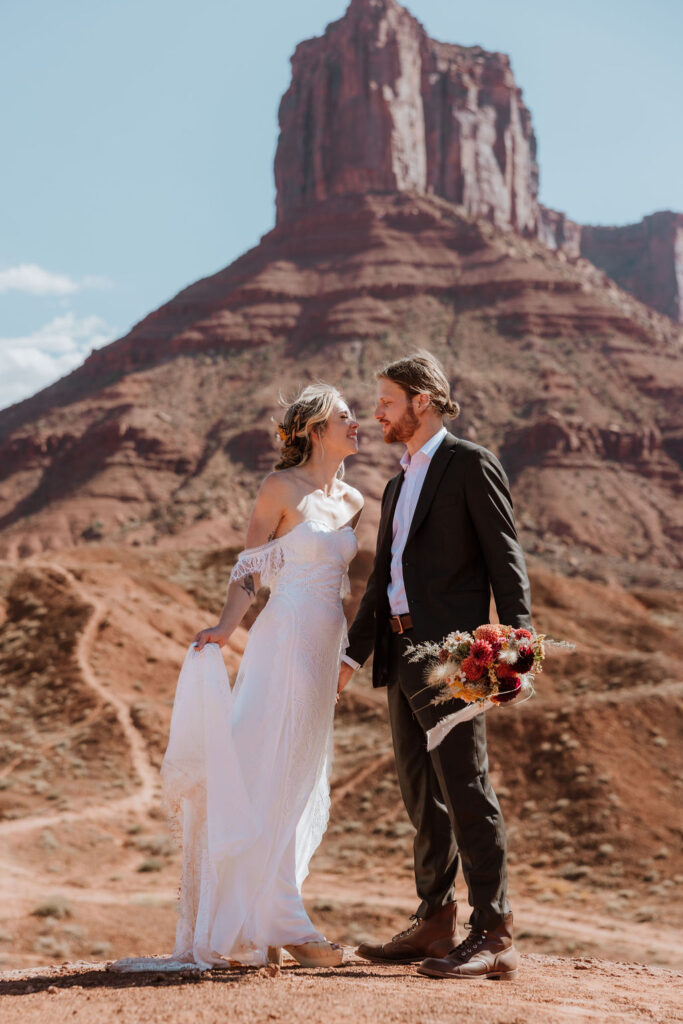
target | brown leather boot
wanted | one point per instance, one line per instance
(487, 954)
(431, 936)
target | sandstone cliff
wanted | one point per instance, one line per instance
(645, 258)
(375, 105)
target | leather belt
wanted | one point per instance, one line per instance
(400, 623)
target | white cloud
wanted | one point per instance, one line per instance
(35, 280)
(97, 281)
(29, 277)
(30, 363)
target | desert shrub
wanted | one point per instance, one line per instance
(100, 948)
(157, 846)
(53, 906)
(151, 864)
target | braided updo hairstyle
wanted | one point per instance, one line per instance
(307, 414)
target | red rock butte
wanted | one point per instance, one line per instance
(375, 105)
(407, 214)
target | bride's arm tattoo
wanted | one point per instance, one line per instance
(247, 583)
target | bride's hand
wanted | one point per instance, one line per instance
(345, 673)
(210, 636)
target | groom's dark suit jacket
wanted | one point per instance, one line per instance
(462, 543)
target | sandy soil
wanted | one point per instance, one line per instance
(548, 990)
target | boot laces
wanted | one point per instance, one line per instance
(469, 945)
(411, 928)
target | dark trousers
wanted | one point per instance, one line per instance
(448, 797)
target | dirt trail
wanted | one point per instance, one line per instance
(148, 791)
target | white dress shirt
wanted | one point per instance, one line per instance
(414, 473)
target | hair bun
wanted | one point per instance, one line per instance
(307, 414)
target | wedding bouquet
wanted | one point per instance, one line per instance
(493, 666)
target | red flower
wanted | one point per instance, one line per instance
(472, 669)
(525, 660)
(523, 634)
(482, 652)
(443, 655)
(508, 688)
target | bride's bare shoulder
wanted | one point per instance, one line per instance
(274, 498)
(353, 497)
(273, 502)
(282, 487)
(277, 485)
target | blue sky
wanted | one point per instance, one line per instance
(139, 137)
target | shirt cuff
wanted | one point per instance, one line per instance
(349, 661)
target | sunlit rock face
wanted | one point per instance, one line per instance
(376, 105)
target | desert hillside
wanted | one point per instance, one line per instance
(89, 651)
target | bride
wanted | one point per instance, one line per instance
(245, 775)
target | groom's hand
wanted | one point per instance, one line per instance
(345, 673)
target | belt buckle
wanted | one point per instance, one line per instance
(400, 629)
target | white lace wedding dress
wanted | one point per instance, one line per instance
(246, 773)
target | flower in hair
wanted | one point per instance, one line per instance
(282, 433)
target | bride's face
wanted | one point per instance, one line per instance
(341, 431)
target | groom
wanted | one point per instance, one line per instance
(446, 538)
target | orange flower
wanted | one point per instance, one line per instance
(472, 668)
(491, 632)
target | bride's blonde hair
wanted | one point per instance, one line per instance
(306, 415)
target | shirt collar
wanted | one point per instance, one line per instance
(427, 450)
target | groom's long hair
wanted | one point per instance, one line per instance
(421, 373)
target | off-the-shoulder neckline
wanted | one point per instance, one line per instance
(278, 540)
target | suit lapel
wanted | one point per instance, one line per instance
(436, 470)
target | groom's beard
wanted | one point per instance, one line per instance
(403, 429)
